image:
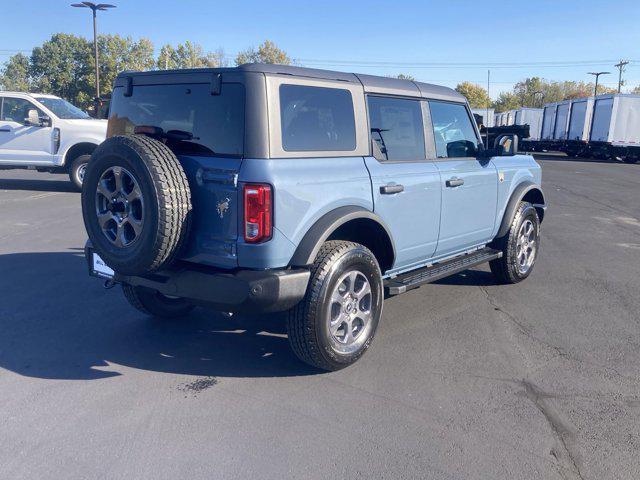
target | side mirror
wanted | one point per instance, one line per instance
(508, 143)
(32, 118)
(491, 152)
(462, 148)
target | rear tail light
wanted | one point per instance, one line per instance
(257, 213)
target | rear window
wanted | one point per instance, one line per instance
(316, 119)
(192, 120)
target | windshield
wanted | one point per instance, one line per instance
(61, 108)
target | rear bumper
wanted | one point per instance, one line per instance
(238, 291)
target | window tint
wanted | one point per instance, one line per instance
(316, 119)
(17, 109)
(453, 131)
(396, 126)
(190, 119)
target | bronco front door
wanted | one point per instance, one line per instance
(469, 185)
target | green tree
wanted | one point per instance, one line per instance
(267, 52)
(475, 94)
(62, 66)
(404, 76)
(189, 55)
(117, 54)
(15, 74)
(216, 58)
(506, 101)
(536, 91)
(166, 58)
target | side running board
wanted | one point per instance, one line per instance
(431, 273)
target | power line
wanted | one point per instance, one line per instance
(394, 64)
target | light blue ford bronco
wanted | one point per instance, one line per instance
(269, 188)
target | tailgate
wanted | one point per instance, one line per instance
(216, 203)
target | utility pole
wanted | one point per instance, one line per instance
(488, 105)
(94, 9)
(620, 67)
(597, 75)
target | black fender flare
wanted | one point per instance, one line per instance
(516, 197)
(310, 244)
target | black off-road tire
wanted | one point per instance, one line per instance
(77, 169)
(151, 302)
(506, 269)
(306, 324)
(166, 207)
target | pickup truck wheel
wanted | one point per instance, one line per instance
(520, 246)
(77, 170)
(152, 302)
(136, 204)
(336, 321)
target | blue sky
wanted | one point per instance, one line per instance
(377, 37)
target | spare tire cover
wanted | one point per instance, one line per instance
(136, 204)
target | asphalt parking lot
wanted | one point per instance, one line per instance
(466, 379)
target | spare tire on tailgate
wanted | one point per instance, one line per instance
(136, 204)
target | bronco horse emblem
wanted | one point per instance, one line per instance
(223, 206)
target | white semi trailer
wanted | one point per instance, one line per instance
(561, 123)
(548, 122)
(581, 111)
(487, 116)
(531, 117)
(615, 127)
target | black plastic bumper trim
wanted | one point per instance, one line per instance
(238, 291)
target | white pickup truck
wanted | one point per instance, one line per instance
(48, 134)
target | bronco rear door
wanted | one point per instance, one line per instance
(200, 115)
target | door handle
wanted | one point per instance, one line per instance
(455, 182)
(5, 130)
(391, 189)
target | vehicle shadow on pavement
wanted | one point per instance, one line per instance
(56, 322)
(37, 185)
(565, 158)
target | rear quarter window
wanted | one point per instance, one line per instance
(316, 119)
(215, 122)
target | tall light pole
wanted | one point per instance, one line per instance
(94, 8)
(597, 75)
(620, 67)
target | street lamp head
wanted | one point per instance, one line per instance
(93, 6)
(598, 73)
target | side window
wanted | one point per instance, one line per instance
(16, 109)
(453, 131)
(396, 127)
(316, 119)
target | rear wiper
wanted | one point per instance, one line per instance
(159, 133)
(180, 135)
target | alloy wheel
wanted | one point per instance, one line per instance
(350, 311)
(119, 206)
